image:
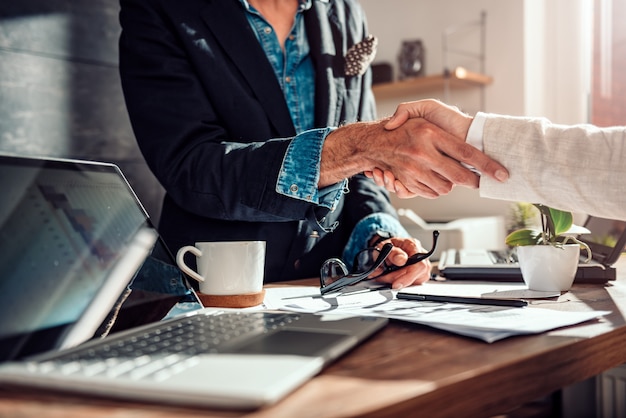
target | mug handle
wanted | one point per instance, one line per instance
(180, 260)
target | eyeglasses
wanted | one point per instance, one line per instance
(334, 274)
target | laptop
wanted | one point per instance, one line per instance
(606, 239)
(92, 302)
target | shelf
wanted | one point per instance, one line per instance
(459, 78)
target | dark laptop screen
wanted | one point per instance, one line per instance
(606, 240)
(63, 226)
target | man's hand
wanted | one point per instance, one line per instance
(412, 274)
(452, 121)
(421, 156)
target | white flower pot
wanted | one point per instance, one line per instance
(548, 268)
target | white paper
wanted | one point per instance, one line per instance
(492, 290)
(488, 323)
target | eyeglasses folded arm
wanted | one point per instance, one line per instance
(334, 275)
(354, 278)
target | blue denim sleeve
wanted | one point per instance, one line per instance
(300, 171)
(299, 176)
(365, 230)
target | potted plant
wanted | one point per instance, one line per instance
(548, 257)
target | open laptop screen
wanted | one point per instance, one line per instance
(63, 227)
(606, 238)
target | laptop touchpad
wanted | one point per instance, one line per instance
(302, 343)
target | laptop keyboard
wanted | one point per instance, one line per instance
(503, 256)
(480, 257)
(165, 350)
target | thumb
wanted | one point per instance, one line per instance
(399, 117)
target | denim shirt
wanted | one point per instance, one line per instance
(295, 73)
(300, 171)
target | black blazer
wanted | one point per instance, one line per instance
(213, 125)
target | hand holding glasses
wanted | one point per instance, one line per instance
(334, 275)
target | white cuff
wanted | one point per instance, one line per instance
(475, 131)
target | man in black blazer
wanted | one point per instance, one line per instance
(246, 152)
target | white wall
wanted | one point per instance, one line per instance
(534, 52)
(395, 20)
(558, 59)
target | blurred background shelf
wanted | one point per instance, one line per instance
(458, 78)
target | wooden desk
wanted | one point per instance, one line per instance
(409, 370)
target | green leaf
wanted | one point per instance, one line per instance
(523, 237)
(554, 222)
(562, 221)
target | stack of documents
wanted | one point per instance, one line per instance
(486, 322)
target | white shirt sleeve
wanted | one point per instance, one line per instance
(475, 136)
(475, 131)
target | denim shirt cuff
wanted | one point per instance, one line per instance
(365, 230)
(300, 171)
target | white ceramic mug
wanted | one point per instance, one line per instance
(226, 268)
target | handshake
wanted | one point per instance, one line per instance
(419, 151)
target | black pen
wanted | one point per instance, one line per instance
(462, 299)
